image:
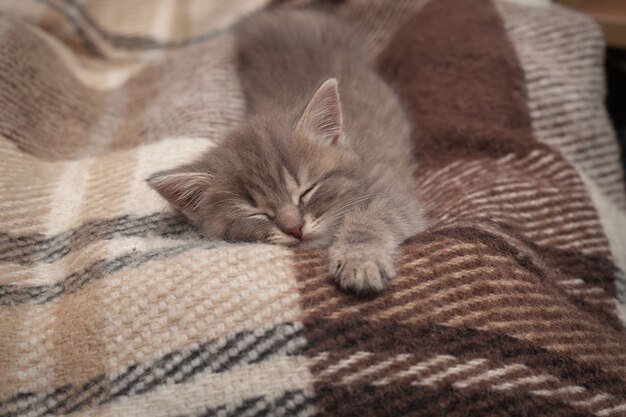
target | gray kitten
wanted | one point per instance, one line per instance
(323, 159)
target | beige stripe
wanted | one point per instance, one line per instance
(26, 185)
(25, 361)
(123, 18)
(162, 23)
(78, 350)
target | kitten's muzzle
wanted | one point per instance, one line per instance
(290, 221)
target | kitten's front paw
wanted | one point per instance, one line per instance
(362, 268)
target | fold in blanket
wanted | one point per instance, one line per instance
(112, 305)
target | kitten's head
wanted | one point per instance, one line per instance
(274, 180)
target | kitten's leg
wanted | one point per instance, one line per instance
(361, 258)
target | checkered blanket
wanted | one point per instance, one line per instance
(112, 305)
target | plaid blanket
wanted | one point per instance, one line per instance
(111, 305)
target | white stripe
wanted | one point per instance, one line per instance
(374, 368)
(161, 27)
(566, 222)
(344, 363)
(612, 410)
(535, 166)
(593, 290)
(529, 380)
(68, 196)
(451, 371)
(429, 178)
(416, 369)
(592, 401)
(570, 389)
(506, 159)
(490, 374)
(445, 184)
(499, 310)
(574, 241)
(517, 186)
(506, 298)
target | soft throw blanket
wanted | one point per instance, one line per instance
(111, 305)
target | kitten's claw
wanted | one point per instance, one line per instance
(361, 269)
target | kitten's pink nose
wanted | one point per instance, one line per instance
(296, 231)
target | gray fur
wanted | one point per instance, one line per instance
(350, 141)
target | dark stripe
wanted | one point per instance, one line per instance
(245, 352)
(35, 248)
(407, 400)
(40, 294)
(352, 334)
(280, 343)
(251, 359)
(104, 389)
(61, 407)
(245, 406)
(282, 400)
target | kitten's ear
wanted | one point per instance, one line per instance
(182, 189)
(322, 115)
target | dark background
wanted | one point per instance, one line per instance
(616, 98)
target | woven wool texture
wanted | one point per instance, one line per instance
(111, 305)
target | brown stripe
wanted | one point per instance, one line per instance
(393, 400)
(345, 337)
(477, 108)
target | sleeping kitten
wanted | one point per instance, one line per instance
(323, 158)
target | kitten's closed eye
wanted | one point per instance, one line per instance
(263, 216)
(308, 193)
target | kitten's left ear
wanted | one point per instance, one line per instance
(184, 190)
(322, 116)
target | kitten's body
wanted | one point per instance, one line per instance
(323, 170)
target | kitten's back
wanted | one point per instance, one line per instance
(283, 58)
(286, 55)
